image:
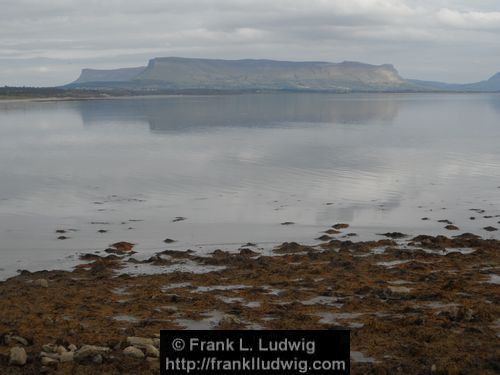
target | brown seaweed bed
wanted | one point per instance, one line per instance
(426, 305)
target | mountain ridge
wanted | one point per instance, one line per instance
(181, 73)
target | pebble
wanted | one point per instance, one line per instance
(18, 339)
(54, 356)
(88, 351)
(72, 347)
(140, 342)
(67, 357)
(17, 356)
(399, 289)
(132, 351)
(46, 361)
(152, 351)
(49, 348)
(41, 282)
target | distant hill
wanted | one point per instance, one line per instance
(184, 73)
(490, 85)
(177, 74)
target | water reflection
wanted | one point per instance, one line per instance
(238, 166)
(181, 114)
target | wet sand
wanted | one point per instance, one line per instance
(417, 305)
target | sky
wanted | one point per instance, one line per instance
(48, 42)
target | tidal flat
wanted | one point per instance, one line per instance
(414, 306)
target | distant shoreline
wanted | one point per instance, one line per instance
(76, 95)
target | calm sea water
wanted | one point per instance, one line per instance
(236, 167)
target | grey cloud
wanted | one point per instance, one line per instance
(47, 42)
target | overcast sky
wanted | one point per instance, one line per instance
(47, 42)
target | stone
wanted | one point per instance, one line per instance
(156, 342)
(41, 282)
(46, 361)
(72, 347)
(340, 226)
(399, 289)
(134, 352)
(17, 356)
(49, 348)
(229, 319)
(140, 342)
(18, 339)
(89, 351)
(50, 355)
(151, 351)
(67, 357)
(97, 359)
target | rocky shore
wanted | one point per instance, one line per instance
(422, 305)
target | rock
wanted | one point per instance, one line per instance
(41, 282)
(332, 231)
(399, 289)
(394, 235)
(49, 348)
(50, 355)
(47, 361)
(168, 240)
(97, 359)
(61, 349)
(134, 352)
(340, 226)
(140, 342)
(446, 221)
(229, 319)
(21, 340)
(458, 314)
(287, 223)
(324, 238)
(156, 342)
(123, 246)
(151, 351)
(247, 252)
(490, 229)
(17, 356)
(62, 238)
(89, 351)
(67, 357)
(72, 347)
(178, 218)
(433, 369)
(451, 227)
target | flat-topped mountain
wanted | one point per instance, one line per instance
(186, 73)
(177, 73)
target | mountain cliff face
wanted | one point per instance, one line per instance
(185, 73)
(176, 73)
